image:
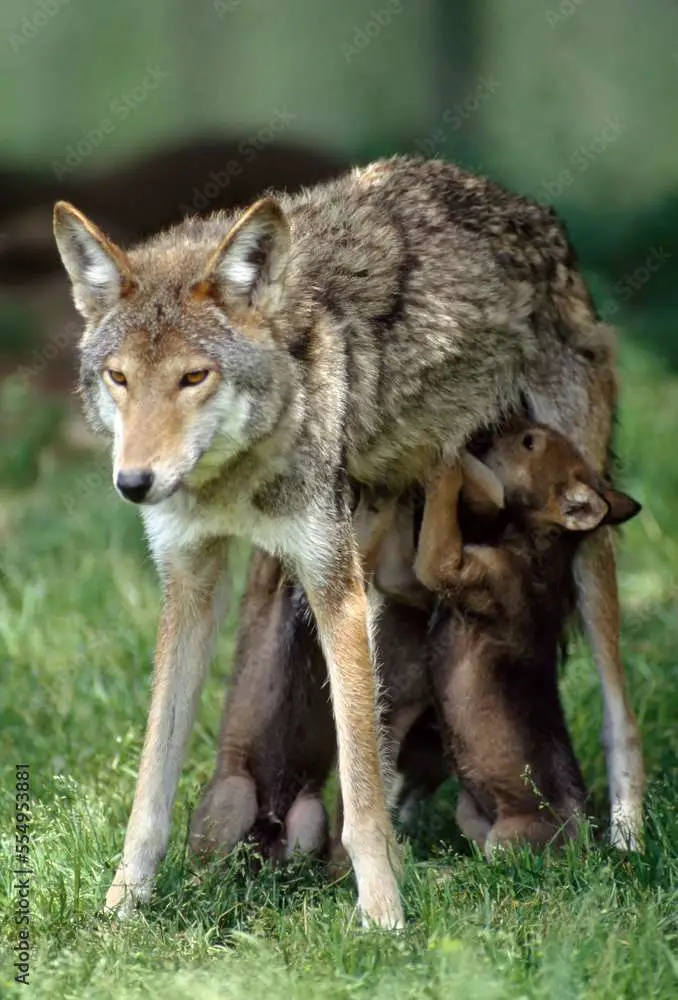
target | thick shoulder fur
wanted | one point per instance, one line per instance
(401, 204)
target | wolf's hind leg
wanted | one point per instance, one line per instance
(599, 608)
(582, 409)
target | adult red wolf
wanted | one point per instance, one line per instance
(247, 364)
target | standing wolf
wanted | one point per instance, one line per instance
(247, 365)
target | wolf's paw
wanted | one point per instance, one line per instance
(626, 828)
(378, 893)
(123, 897)
(379, 905)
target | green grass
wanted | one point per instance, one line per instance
(78, 602)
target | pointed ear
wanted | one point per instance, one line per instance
(481, 488)
(621, 507)
(250, 263)
(99, 270)
(580, 508)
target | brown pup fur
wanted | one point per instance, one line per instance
(497, 634)
(277, 740)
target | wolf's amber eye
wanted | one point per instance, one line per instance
(116, 377)
(193, 378)
(528, 442)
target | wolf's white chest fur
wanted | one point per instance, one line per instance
(180, 526)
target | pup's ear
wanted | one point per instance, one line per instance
(250, 263)
(99, 270)
(580, 508)
(621, 507)
(481, 488)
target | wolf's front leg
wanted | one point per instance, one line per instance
(193, 604)
(339, 602)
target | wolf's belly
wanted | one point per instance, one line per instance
(407, 449)
(393, 466)
(403, 422)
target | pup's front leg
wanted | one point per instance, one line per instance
(440, 548)
(339, 602)
(193, 603)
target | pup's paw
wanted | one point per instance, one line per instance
(224, 817)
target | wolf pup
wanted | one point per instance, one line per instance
(246, 364)
(277, 744)
(495, 639)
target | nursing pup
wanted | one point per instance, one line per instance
(470, 676)
(499, 628)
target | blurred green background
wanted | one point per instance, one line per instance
(570, 101)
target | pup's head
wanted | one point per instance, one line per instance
(544, 474)
(179, 359)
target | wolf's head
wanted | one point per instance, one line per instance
(179, 359)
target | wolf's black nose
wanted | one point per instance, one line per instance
(135, 484)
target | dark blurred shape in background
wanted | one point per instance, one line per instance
(142, 113)
(130, 201)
